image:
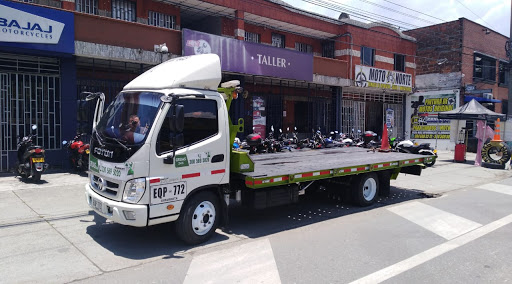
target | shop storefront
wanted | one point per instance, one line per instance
(279, 84)
(37, 81)
(377, 98)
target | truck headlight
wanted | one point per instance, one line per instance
(134, 189)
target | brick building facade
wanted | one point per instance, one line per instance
(462, 60)
(116, 40)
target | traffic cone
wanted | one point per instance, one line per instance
(384, 145)
(497, 137)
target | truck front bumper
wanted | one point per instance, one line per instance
(119, 212)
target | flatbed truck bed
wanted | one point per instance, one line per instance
(307, 165)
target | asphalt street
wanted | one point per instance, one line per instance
(450, 225)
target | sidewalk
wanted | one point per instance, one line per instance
(447, 175)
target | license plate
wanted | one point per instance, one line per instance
(38, 160)
(169, 192)
(98, 205)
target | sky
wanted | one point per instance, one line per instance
(494, 14)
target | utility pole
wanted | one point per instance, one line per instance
(509, 54)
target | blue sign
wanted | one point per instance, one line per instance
(37, 28)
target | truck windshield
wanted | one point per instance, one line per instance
(130, 117)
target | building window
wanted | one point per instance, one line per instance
(303, 47)
(504, 73)
(399, 62)
(161, 20)
(367, 56)
(124, 10)
(484, 68)
(328, 49)
(252, 37)
(87, 6)
(278, 40)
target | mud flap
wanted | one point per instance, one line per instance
(384, 183)
(413, 170)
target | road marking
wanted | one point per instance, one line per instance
(407, 264)
(248, 263)
(500, 188)
(442, 223)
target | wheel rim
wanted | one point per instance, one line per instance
(495, 153)
(369, 189)
(203, 218)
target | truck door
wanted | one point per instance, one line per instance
(201, 161)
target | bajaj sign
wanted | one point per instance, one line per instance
(20, 26)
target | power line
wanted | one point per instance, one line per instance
(415, 11)
(475, 14)
(396, 11)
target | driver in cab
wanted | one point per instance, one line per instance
(133, 132)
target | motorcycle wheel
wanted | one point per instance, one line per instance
(430, 164)
(36, 177)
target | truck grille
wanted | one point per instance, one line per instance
(104, 186)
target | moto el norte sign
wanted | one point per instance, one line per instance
(367, 76)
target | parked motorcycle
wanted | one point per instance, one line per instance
(31, 160)
(408, 146)
(78, 152)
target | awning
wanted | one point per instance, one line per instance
(480, 99)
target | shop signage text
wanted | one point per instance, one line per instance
(19, 26)
(367, 76)
(424, 121)
(250, 58)
(34, 27)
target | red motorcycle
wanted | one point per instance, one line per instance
(78, 152)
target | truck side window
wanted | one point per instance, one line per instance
(201, 122)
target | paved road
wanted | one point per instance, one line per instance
(48, 235)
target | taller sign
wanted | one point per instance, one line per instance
(33, 27)
(250, 58)
(367, 76)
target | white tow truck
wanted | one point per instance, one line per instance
(162, 152)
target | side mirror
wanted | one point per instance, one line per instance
(176, 123)
(91, 97)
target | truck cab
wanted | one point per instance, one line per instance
(163, 143)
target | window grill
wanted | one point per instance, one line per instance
(278, 40)
(252, 37)
(87, 6)
(353, 115)
(303, 47)
(124, 10)
(161, 20)
(375, 97)
(328, 49)
(29, 94)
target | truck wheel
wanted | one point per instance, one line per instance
(199, 218)
(365, 189)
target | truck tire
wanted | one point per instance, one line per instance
(199, 218)
(365, 189)
(495, 153)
